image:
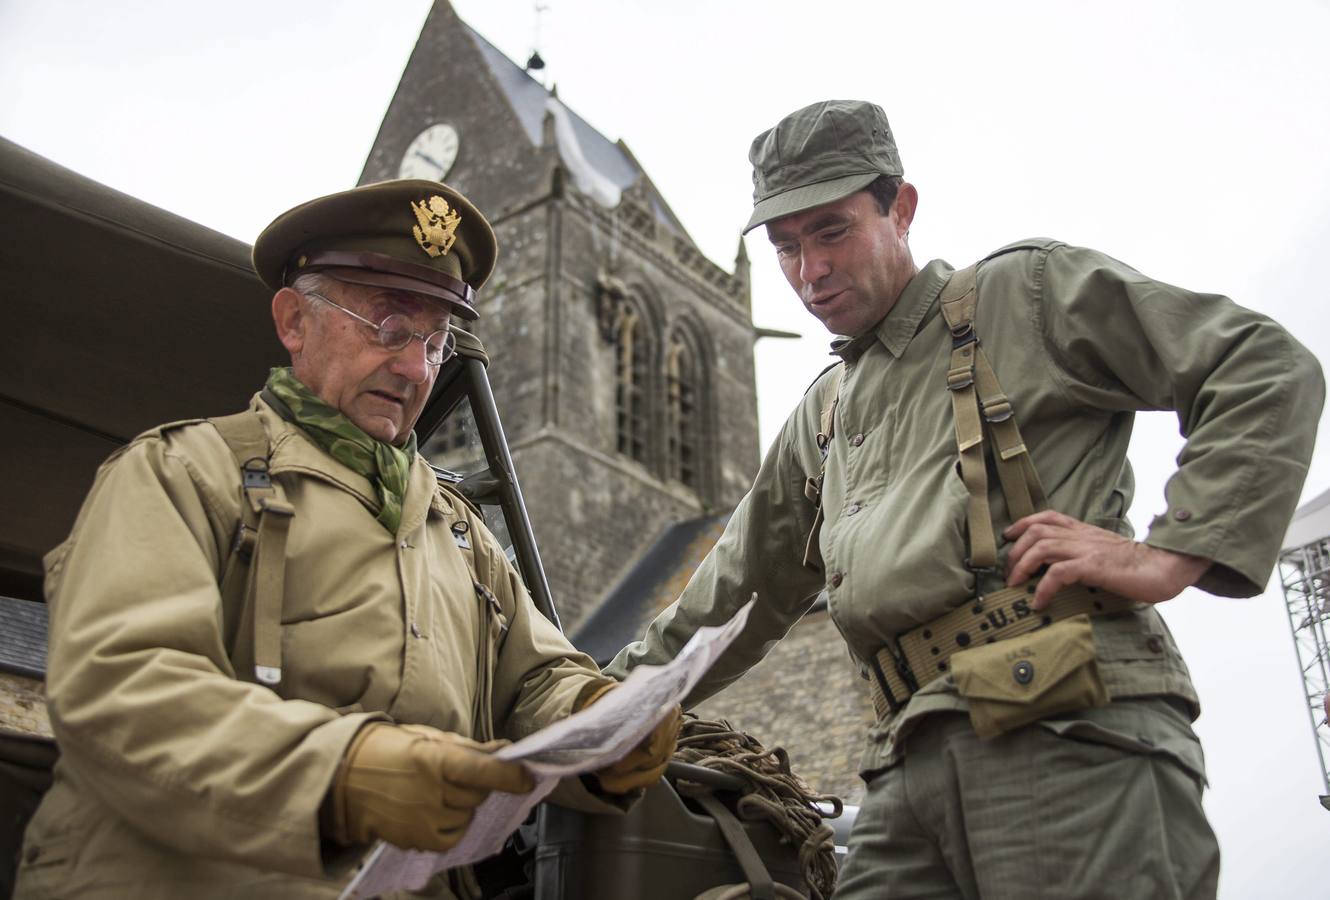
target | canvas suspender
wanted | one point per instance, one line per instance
(813, 486)
(978, 406)
(256, 568)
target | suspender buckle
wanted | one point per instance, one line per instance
(997, 410)
(254, 474)
(279, 507)
(813, 490)
(961, 378)
(243, 543)
(979, 570)
(963, 335)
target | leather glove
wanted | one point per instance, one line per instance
(416, 787)
(645, 763)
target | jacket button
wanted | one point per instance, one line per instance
(852, 509)
(836, 580)
(1155, 644)
(1182, 515)
(857, 440)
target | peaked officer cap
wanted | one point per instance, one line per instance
(411, 235)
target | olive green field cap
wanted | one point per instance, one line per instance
(410, 235)
(818, 155)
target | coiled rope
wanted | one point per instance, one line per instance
(775, 794)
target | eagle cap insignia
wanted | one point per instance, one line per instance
(437, 228)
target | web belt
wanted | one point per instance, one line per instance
(923, 654)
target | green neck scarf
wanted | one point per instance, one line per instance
(386, 466)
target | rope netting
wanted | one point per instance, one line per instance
(774, 794)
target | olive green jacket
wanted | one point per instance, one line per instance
(1079, 342)
(178, 778)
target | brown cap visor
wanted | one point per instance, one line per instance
(381, 270)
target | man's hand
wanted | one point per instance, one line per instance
(415, 786)
(646, 762)
(1077, 553)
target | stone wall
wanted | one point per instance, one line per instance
(593, 515)
(807, 697)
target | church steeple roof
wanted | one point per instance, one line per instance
(600, 167)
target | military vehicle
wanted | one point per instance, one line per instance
(118, 316)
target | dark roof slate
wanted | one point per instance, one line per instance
(23, 626)
(653, 583)
(529, 98)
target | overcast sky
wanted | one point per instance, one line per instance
(1188, 139)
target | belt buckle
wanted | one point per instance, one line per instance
(892, 648)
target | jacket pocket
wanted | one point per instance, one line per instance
(1026, 678)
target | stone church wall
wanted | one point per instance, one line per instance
(592, 515)
(807, 697)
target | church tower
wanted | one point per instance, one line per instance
(621, 356)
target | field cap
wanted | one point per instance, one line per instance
(410, 235)
(818, 155)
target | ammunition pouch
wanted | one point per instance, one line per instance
(930, 651)
(1021, 680)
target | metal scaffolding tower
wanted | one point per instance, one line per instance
(1304, 571)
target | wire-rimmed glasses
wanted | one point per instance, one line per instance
(397, 330)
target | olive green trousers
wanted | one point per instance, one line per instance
(1103, 804)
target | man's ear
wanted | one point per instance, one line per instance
(907, 201)
(290, 316)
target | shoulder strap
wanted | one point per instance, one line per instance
(826, 428)
(979, 405)
(826, 423)
(257, 565)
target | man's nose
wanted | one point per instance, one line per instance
(813, 265)
(409, 362)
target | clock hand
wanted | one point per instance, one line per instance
(429, 159)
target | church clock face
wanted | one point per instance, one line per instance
(430, 154)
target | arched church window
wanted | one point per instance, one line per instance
(630, 396)
(681, 373)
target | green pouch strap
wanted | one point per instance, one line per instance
(1027, 678)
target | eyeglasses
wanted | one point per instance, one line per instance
(397, 330)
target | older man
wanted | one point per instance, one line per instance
(958, 485)
(274, 637)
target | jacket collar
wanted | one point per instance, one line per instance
(292, 449)
(901, 323)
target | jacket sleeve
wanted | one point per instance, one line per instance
(1247, 395)
(760, 552)
(147, 711)
(538, 674)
